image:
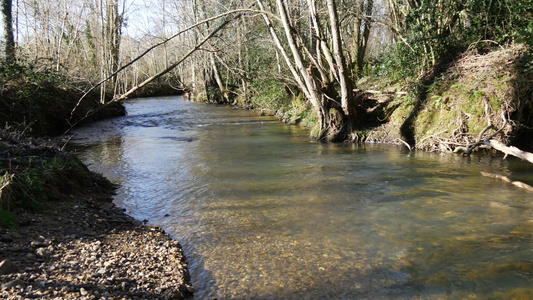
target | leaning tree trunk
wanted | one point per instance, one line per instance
(342, 70)
(297, 75)
(314, 92)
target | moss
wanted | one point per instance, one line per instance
(316, 132)
(453, 107)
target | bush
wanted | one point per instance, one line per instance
(270, 94)
(42, 101)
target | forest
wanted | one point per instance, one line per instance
(440, 75)
(310, 62)
(446, 76)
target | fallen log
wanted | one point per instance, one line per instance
(519, 184)
(379, 92)
(510, 150)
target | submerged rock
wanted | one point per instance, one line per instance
(7, 267)
(17, 283)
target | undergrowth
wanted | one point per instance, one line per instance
(35, 173)
(42, 101)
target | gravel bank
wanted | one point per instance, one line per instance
(89, 249)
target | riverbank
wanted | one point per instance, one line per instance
(87, 249)
(472, 98)
(67, 240)
(60, 235)
(464, 100)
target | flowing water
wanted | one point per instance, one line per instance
(263, 212)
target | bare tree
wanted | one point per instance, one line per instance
(335, 118)
(361, 32)
(7, 14)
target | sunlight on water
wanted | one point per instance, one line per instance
(263, 212)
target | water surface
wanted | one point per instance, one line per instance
(263, 212)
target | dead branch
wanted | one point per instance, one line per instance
(510, 150)
(156, 76)
(432, 136)
(374, 92)
(480, 141)
(519, 184)
(172, 66)
(406, 144)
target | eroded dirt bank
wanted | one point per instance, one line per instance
(473, 98)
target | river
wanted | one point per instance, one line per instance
(263, 212)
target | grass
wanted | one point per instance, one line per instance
(36, 174)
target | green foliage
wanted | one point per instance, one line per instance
(270, 95)
(435, 31)
(437, 101)
(504, 22)
(37, 180)
(7, 219)
(397, 63)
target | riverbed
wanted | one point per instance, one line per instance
(264, 212)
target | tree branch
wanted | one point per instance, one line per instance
(168, 69)
(510, 150)
(152, 48)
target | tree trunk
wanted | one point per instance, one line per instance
(7, 14)
(218, 78)
(356, 35)
(361, 52)
(344, 79)
(314, 92)
(112, 38)
(322, 46)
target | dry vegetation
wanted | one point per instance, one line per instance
(478, 96)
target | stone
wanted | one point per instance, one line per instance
(39, 244)
(186, 289)
(7, 267)
(6, 238)
(15, 283)
(42, 252)
(125, 260)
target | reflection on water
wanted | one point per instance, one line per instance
(262, 212)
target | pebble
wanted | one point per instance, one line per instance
(77, 256)
(14, 283)
(39, 244)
